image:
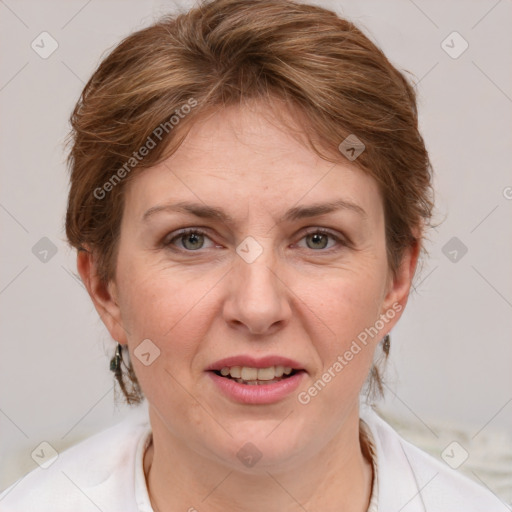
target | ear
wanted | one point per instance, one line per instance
(399, 285)
(104, 296)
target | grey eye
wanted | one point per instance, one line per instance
(192, 241)
(319, 240)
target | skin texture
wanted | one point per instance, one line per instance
(302, 298)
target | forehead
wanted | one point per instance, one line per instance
(243, 156)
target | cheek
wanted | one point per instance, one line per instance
(170, 306)
(349, 304)
(172, 309)
(156, 297)
(347, 307)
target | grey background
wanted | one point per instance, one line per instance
(451, 353)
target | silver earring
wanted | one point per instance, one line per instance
(386, 344)
(115, 362)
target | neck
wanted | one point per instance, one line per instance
(339, 477)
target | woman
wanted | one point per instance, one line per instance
(249, 195)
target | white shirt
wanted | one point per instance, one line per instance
(105, 472)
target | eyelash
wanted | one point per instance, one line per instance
(197, 231)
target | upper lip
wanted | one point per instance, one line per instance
(255, 362)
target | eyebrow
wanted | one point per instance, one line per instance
(298, 212)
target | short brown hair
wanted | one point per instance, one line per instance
(226, 52)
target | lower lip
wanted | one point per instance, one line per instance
(258, 393)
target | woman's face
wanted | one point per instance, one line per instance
(261, 288)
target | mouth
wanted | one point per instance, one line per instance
(254, 380)
(257, 376)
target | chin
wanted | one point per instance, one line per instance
(261, 446)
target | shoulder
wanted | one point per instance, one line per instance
(97, 473)
(412, 480)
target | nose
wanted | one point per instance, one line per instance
(258, 300)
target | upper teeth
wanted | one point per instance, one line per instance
(248, 373)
